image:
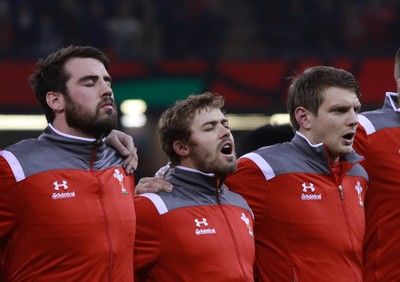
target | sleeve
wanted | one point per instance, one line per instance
(7, 199)
(148, 237)
(250, 182)
(361, 141)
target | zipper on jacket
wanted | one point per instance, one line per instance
(346, 167)
(101, 199)
(219, 183)
(341, 192)
(346, 216)
(239, 258)
(219, 195)
(98, 140)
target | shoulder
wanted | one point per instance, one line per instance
(269, 158)
(267, 153)
(358, 170)
(24, 145)
(32, 149)
(373, 121)
(147, 200)
(235, 199)
(21, 155)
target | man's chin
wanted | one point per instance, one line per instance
(230, 168)
(101, 130)
(106, 125)
(345, 151)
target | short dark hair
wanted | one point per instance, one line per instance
(50, 74)
(175, 122)
(306, 88)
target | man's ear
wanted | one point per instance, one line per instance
(303, 117)
(56, 101)
(398, 85)
(180, 148)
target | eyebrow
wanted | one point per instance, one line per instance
(214, 122)
(94, 78)
(344, 107)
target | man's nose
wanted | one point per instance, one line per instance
(106, 89)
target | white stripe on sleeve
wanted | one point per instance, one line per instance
(157, 201)
(262, 165)
(14, 164)
(369, 128)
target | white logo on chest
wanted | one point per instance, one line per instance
(203, 231)
(64, 193)
(309, 192)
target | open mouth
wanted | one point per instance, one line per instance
(227, 149)
(348, 136)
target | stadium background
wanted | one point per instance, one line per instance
(163, 50)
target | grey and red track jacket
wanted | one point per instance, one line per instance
(197, 232)
(66, 211)
(378, 140)
(309, 221)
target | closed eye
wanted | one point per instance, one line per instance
(341, 109)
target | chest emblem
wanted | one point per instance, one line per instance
(309, 192)
(120, 177)
(202, 227)
(359, 190)
(246, 220)
(61, 190)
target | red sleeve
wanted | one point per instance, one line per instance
(250, 182)
(148, 237)
(8, 195)
(361, 141)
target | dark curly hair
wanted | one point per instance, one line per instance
(50, 74)
(175, 122)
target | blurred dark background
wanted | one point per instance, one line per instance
(163, 50)
(149, 30)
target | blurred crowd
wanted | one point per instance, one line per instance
(153, 29)
(349, 27)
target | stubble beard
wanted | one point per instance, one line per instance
(205, 162)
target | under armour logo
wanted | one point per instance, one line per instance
(57, 186)
(305, 187)
(198, 223)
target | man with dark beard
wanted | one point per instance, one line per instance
(66, 207)
(200, 231)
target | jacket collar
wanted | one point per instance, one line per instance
(392, 101)
(75, 144)
(320, 150)
(191, 179)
